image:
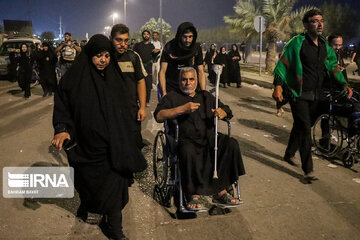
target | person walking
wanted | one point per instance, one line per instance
(234, 66)
(90, 111)
(47, 61)
(130, 65)
(68, 51)
(156, 57)
(146, 50)
(209, 61)
(223, 59)
(301, 70)
(25, 61)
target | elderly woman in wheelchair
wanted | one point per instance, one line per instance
(195, 111)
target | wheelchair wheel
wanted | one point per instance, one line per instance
(327, 135)
(348, 158)
(160, 160)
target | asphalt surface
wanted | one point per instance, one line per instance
(277, 205)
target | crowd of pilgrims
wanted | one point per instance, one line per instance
(229, 61)
(32, 63)
(31, 59)
(44, 60)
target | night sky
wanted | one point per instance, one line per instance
(82, 16)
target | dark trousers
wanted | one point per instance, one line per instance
(137, 134)
(114, 220)
(304, 114)
(148, 81)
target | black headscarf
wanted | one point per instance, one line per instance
(232, 53)
(50, 52)
(212, 51)
(221, 58)
(96, 112)
(175, 46)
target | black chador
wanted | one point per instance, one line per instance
(89, 104)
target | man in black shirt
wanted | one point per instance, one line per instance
(302, 68)
(182, 51)
(146, 50)
(133, 72)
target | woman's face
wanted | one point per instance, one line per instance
(234, 48)
(101, 60)
(24, 48)
(223, 50)
(212, 47)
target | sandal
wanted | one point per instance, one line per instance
(225, 200)
(194, 201)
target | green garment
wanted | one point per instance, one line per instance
(290, 69)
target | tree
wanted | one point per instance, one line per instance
(281, 22)
(47, 36)
(218, 35)
(340, 18)
(153, 25)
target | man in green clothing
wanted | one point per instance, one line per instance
(305, 62)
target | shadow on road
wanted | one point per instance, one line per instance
(8, 109)
(348, 210)
(69, 204)
(257, 152)
(255, 109)
(24, 121)
(279, 134)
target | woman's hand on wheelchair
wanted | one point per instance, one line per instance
(59, 139)
(221, 114)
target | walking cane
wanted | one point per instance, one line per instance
(217, 69)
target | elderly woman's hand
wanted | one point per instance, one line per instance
(59, 139)
(219, 112)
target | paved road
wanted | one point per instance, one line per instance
(276, 204)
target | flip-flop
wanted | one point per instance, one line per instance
(194, 201)
(225, 200)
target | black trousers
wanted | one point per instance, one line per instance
(148, 80)
(304, 114)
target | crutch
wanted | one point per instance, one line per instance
(217, 69)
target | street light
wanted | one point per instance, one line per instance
(114, 15)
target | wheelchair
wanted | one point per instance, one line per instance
(341, 125)
(168, 189)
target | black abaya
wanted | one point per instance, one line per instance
(234, 67)
(223, 59)
(25, 62)
(89, 104)
(47, 61)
